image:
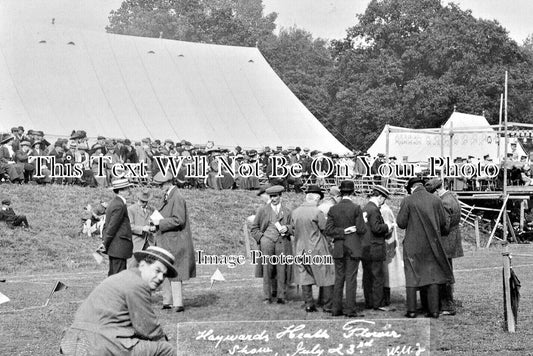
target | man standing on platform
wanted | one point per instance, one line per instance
(426, 266)
(117, 229)
(346, 226)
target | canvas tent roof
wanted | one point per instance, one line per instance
(419, 145)
(57, 79)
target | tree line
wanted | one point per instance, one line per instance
(403, 62)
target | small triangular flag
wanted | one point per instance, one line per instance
(217, 276)
(57, 287)
(60, 286)
(3, 299)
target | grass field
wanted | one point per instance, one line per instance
(33, 260)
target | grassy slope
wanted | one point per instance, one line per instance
(53, 250)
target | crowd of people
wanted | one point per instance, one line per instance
(352, 235)
(17, 165)
(150, 248)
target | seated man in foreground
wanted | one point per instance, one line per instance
(117, 318)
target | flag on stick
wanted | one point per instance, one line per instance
(57, 287)
(3, 299)
(217, 276)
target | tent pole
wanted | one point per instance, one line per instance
(387, 132)
(506, 254)
(500, 126)
(451, 140)
(442, 152)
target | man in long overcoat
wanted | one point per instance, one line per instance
(271, 229)
(308, 223)
(452, 243)
(346, 226)
(117, 229)
(426, 266)
(174, 234)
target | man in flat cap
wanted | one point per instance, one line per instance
(271, 230)
(346, 226)
(139, 215)
(117, 317)
(374, 250)
(452, 243)
(309, 223)
(425, 263)
(117, 229)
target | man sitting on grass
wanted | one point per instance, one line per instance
(117, 318)
(8, 215)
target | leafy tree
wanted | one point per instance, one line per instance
(304, 64)
(227, 22)
(410, 62)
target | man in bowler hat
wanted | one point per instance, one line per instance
(346, 226)
(117, 229)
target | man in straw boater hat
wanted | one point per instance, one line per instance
(374, 249)
(309, 222)
(346, 226)
(117, 229)
(425, 264)
(142, 232)
(452, 243)
(117, 317)
(271, 230)
(174, 234)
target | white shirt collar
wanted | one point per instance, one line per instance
(123, 199)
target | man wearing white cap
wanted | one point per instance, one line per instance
(117, 318)
(271, 230)
(117, 229)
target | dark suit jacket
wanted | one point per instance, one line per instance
(340, 216)
(376, 233)
(117, 230)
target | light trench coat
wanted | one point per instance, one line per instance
(308, 223)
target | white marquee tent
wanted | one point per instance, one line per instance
(57, 78)
(472, 136)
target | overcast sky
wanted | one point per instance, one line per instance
(330, 18)
(323, 18)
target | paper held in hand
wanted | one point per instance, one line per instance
(98, 257)
(156, 217)
(278, 226)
